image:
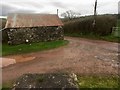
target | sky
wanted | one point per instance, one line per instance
(84, 7)
(119, 7)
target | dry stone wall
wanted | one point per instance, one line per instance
(34, 34)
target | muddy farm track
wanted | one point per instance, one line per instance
(81, 56)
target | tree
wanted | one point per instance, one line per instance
(70, 14)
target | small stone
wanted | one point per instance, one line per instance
(27, 40)
(53, 77)
(18, 83)
(75, 77)
(14, 85)
(30, 86)
(96, 56)
(113, 60)
(26, 76)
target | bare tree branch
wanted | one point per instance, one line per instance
(70, 14)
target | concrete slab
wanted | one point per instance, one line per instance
(6, 61)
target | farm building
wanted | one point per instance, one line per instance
(27, 28)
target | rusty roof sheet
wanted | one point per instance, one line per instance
(32, 20)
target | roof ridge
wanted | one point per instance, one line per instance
(32, 13)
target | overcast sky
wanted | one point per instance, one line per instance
(85, 7)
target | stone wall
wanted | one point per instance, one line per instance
(35, 34)
(4, 36)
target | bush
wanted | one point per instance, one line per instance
(103, 26)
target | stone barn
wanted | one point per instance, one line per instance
(28, 28)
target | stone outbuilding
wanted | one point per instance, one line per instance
(27, 28)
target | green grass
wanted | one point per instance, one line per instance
(98, 82)
(27, 48)
(8, 85)
(110, 38)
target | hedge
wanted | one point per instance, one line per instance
(104, 25)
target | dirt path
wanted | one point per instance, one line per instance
(80, 56)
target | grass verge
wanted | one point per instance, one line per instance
(27, 48)
(8, 85)
(109, 38)
(98, 82)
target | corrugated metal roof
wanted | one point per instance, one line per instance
(32, 20)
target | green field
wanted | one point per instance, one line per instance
(27, 48)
